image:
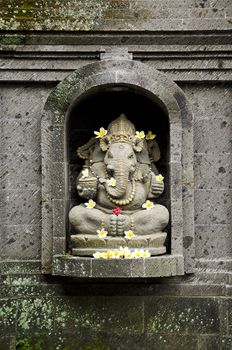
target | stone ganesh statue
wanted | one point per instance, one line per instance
(119, 181)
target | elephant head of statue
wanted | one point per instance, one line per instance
(121, 150)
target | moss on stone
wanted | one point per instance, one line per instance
(51, 15)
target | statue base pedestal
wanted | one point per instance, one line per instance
(87, 245)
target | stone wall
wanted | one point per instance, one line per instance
(119, 15)
(191, 43)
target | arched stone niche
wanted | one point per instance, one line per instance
(83, 102)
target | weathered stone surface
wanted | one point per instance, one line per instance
(8, 317)
(20, 136)
(22, 102)
(209, 101)
(99, 313)
(172, 342)
(218, 208)
(215, 343)
(68, 265)
(173, 315)
(59, 245)
(8, 342)
(121, 15)
(20, 242)
(58, 180)
(212, 135)
(59, 214)
(20, 207)
(213, 241)
(220, 165)
(20, 171)
(35, 315)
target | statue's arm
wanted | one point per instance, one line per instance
(87, 186)
(156, 187)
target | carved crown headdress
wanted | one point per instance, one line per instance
(121, 130)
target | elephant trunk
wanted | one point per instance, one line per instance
(121, 175)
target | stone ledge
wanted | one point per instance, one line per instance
(83, 267)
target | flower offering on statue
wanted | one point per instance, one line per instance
(129, 234)
(148, 205)
(85, 173)
(150, 136)
(140, 135)
(112, 182)
(117, 211)
(159, 178)
(101, 133)
(90, 204)
(102, 233)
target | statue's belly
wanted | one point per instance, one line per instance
(140, 197)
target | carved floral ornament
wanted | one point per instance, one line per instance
(118, 179)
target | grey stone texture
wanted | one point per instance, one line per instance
(121, 15)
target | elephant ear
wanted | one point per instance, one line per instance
(84, 151)
(104, 143)
(154, 150)
(138, 146)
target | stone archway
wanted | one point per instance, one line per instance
(54, 156)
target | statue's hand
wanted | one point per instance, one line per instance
(87, 187)
(157, 188)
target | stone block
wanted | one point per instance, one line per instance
(18, 267)
(59, 215)
(20, 171)
(8, 342)
(47, 229)
(202, 206)
(20, 242)
(176, 181)
(20, 136)
(72, 266)
(160, 266)
(221, 202)
(181, 315)
(20, 207)
(8, 317)
(218, 208)
(220, 175)
(112, 314)
(19, 102)
(213, 241)
(171, 341)
(58, 149)
(228, 313)
(35, 315)
(176, 143)
(188, 229)
(124, 342)
(210, 101)
(111, 268)
(206, 24)
(212, 342)
(212, 136)
(207, 13)
(58, 180)
(59, 245)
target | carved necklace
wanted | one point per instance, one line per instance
(123, 201)
(128, 200)
(118, 201)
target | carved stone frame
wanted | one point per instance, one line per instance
(54, 173)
